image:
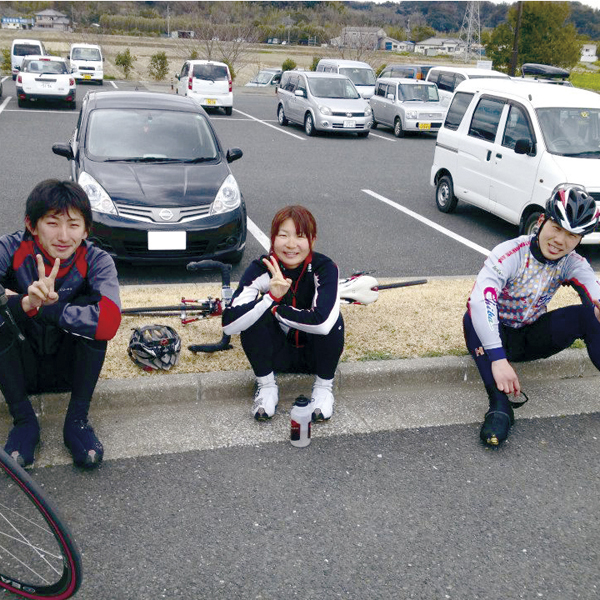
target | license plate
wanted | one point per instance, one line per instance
(424, 125)
(349, 124)
(87, 76)
(210, 101)
(167, 240)
(46, 86)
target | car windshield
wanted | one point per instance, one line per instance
(43, 66)
(150, 135)
(263, 77)
(85, 54)
(418, 92)
(332, 88)
(212, 72)
(359, 76)
(571, 131)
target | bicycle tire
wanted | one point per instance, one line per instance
(38, 555)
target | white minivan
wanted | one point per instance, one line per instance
(448, 79)
(360, 73)
(505, 145)
(87, 62)
(21, 48)
(208, 82)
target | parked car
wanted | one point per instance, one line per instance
(265, 78)
(45, 78)
(158, 179)
(505, 145)
(361, 73)
(20, 48)
(448, 78)
(406, 71)
(407, 105)
(87, 62)
(208, 82)
(322, 102)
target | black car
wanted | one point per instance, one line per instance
(158, 179)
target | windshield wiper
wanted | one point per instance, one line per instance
(199, 159)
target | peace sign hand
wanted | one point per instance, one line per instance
(279, 285)
(41, 292)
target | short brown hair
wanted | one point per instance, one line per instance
(303, 220)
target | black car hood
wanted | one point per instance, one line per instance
(159, 184)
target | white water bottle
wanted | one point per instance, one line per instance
(301, 417)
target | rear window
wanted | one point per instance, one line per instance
(486, 117)
(212, 72)
(55, 67)
(25, 49)
(85, 54)
(457, 110)
(359, 76)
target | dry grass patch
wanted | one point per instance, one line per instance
(411, 322)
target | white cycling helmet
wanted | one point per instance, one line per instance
(154, 347)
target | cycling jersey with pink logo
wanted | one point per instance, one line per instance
(514, 288)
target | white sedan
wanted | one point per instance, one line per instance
(45, 78)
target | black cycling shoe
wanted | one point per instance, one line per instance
(85, 447)
(496, 425)
(22, 442)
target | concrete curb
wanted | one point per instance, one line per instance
(369, 377)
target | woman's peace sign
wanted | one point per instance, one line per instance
(278, 285)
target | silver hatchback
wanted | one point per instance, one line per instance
(407, 105)
(322, 102)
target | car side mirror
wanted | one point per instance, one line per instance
(232, 154)
(63, 150)
(390, 96)
(523, 146)
(300, 93)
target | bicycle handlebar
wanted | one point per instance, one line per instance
(222, 345)
(213, 264)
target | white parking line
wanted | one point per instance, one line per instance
(431, 224)
(113, 84)
(262, 239)
(382, 137)
(3, 105)
(280, 129)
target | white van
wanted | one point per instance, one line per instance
(360, 73)
(505, 145)
(208, 82)
(448, 78)
(87, 62)
(21, 48)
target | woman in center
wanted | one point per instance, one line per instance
(287, 312)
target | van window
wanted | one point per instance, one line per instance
(486, 117)
(85, 54)
(434, 77)
(446, 82)
(26, 49)
(359, 76)
(212, 72)
(517, 127)
(380, 91)
(457, 110)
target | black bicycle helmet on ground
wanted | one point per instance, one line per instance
(573, 209)
(154, 347)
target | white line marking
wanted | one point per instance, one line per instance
(113, 84)
(431, 224)
(3, 105)
(382, 137)
(262, 239)
(280, 129)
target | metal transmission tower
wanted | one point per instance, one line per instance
(470, 31)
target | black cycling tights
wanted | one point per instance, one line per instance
(552, 332)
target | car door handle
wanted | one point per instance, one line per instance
(489, 155)
(498, 155)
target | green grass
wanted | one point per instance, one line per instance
(588, 81)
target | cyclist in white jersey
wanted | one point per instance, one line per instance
(507, 319)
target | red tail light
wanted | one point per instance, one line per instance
(19, 79)
(190, 83)
(71, 81)
(230, 85)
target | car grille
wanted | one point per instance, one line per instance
(140, 250)
(431, 116)
(341, 126)
(148, 214)
(86, 68)
(348, 115)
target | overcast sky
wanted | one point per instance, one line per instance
(592, 3)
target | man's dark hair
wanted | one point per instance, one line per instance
(54, 196)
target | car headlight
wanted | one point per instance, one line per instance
(228, 197)
(325, 110)
(412, 114)
(99, 199)
(368, 111)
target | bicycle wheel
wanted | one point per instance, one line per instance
(38, 557)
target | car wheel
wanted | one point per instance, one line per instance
(398, 130)
(444, 195)
(374, 124)
(228, 110)
(22, 103)
(528, 223)
(309, 125)
(363, 134)
(281, 116)
(73, 105)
